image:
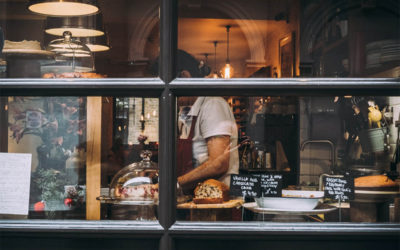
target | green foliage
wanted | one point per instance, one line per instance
(51, 183)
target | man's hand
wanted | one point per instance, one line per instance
(216, 165)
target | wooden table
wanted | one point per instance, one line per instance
(227, 211)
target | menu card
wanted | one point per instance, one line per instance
(339, 188)
(271, 185)
(15, 176)
(245, 185)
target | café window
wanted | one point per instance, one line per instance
(79, 163)
(288, 158)
(247, 39)
(228, 39)
(68, 159)
(111, 39)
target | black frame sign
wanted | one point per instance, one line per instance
(271, 185)
(339, 188)
(245, 185)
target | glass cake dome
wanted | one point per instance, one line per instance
(136, 182)
(71, 55)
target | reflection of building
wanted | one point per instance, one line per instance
(131, 119)
(254, 36)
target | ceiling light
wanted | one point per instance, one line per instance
(215, 74)
(228, 70)
(82, 26)
(63, 7)
(96, 44)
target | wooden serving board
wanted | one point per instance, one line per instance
(227, 204)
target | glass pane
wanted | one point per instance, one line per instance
(288, 159)
(310, 38)
(121, 39)
(67, 154)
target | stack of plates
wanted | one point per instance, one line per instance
(380, 52)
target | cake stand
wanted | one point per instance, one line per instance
(25, 63)
(372, 206)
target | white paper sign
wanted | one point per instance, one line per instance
(15, 179)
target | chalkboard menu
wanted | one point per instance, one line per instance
(271, 185)
(245, 185)
(339, 188)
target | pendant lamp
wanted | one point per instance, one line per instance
(80, 26)
(228, 70)
(97, 43)
(63, 7)
(215, 74)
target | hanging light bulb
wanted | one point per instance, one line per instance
(228, 70)
(215, 74)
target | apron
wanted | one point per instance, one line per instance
(184, 158)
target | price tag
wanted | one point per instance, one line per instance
(271, 185)
(245, 185)
(339, 188)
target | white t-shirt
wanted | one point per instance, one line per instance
(214, 117)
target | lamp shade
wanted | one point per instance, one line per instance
(96, 44)
(63, 7)
(81, 26)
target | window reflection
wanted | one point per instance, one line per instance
(293, 38)
(84, 165)
(338, 155)
(120, 40)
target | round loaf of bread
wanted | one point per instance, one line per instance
(375, 182)
(211, 192)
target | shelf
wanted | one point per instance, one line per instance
(391, 69)
(331, 46)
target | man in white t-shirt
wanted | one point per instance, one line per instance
(214, 149)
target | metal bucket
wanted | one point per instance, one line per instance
(372, 140)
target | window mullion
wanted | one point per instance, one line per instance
(167, 72)
(168, 39)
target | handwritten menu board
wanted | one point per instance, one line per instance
(15, 176)
(271, 185)
(339, 188)
(245, 185)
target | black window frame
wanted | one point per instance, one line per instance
(167, 231)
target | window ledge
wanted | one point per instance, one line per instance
(76, 226)
(286, 86)
(266, 228)
(294, 82)
(82, 86)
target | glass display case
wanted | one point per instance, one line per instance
(133, 192)
(70, 56)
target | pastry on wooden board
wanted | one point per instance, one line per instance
(375, 182)
(211, 192)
